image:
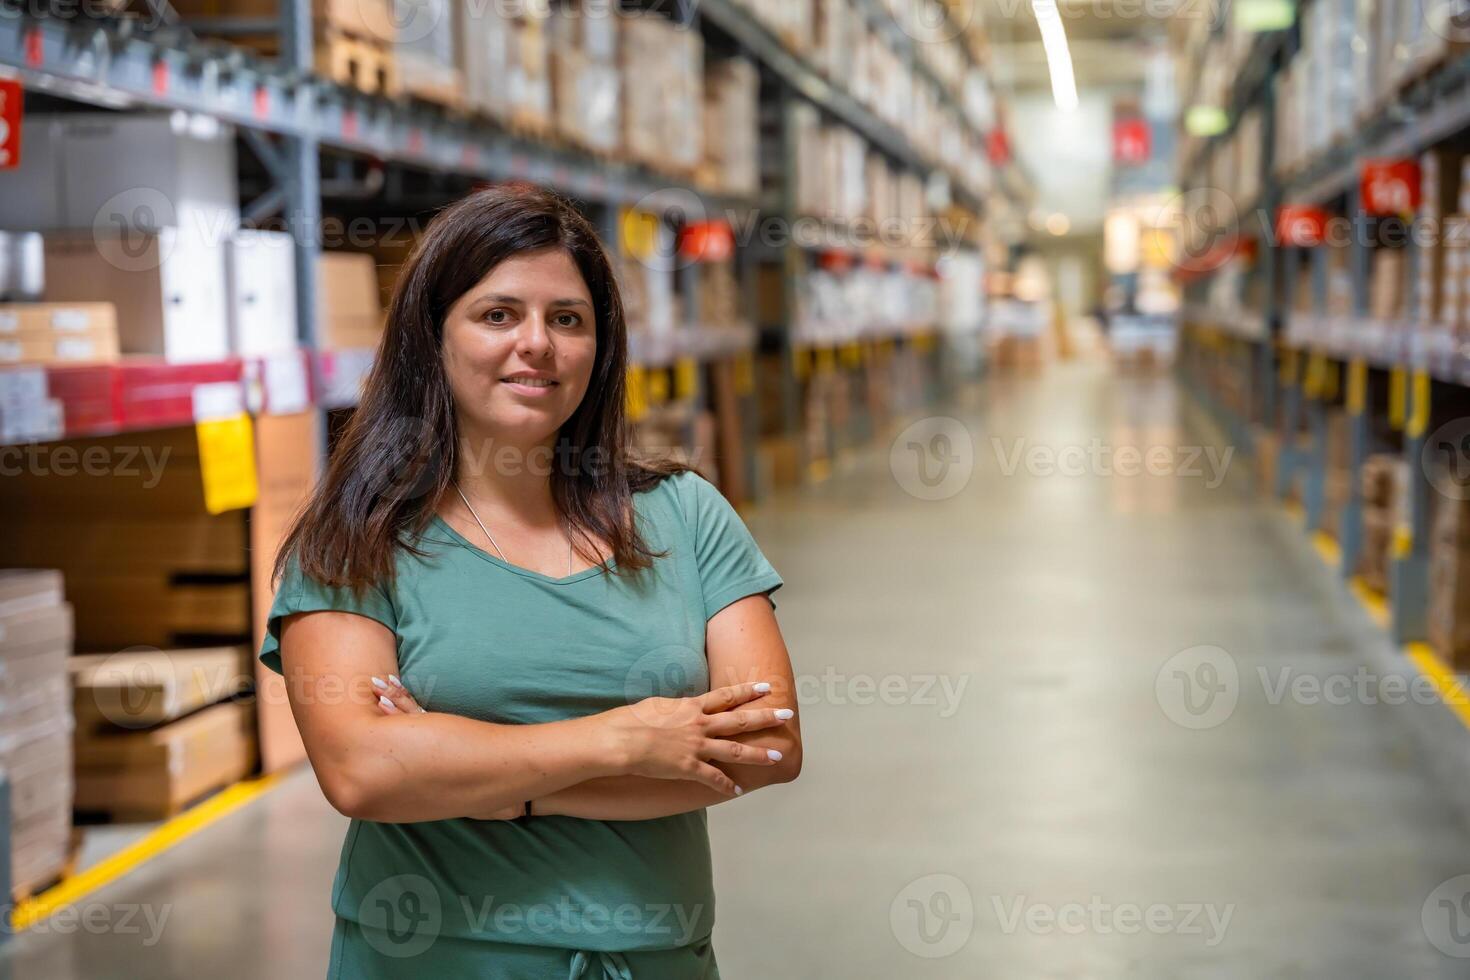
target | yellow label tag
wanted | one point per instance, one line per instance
(851, 354)
(637, 393)
(885, 346)
(640, 233)
(658, 386)
(1312, 385)
(744, 373)
(800, 365)
(686, 376)
(1397, 395)
(1403, 541)
(826, 363)
(1418, 423)
(227, 463)
(1357, 386)
(923, 342)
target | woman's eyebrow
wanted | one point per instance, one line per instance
(571, 302)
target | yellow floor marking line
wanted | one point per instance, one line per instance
(1451, 686)
(1327, 547)
(1371, 599)
(165, 836)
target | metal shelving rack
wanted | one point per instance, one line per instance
(1287, 361)
(112, 63)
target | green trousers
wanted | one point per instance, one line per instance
(362, 952)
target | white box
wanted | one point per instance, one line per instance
(260, 284)
(114, 171)
(169, 289)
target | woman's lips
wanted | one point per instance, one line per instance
(532, 390)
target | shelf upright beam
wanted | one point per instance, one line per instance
(1350, 531)
(1410, 586)
(1316, 409)
(1291, 403)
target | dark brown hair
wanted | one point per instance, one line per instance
(397, 455)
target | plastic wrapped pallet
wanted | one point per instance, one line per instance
(424, 51)
(586, 81)
(732, 126)
(661, 114)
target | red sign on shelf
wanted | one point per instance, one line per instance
(998, 147)
(12, 100)
(707, 241)
(1390, 187)
(1301, 225)
(1132, 141)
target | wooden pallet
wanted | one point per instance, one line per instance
(24, 891)
(366, 65)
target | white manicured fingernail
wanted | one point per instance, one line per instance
(763, 687)
(784, 713)
(387, 705)
(738, 791)
(774, 755)
(379, 684)
(393, 679)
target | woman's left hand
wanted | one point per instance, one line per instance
(394, 699)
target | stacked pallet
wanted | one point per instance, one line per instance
(661, 112)
(157, 730)
(1449, 582)
(506, 62)
(1384, 489)
(731, 123)
(123, 519)
(35, 724)
(354, 40)
(586, 82)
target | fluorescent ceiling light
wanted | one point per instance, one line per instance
(1058, 57)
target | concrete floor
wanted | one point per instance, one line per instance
(995, 784)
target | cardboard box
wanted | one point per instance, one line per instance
(348, 311)
(260, 283)
(156, 772)
(143, 688)
(168, 289)
(35, 723)
(287, 455)
(124, 172)
(47, 333)
(732, 126)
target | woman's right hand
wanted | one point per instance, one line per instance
(678, 738)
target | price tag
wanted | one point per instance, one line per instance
(160, 77)
(227, 463)
(12, 101)
(262, 102)
(639, 233)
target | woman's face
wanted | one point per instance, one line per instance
(519, 348)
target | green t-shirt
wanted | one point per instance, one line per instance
(482, 638)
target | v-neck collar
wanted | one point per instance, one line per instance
(476, 550)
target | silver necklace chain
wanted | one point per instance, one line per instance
(491, 537)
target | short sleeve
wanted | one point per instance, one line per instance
(298, 593)
(731, 565)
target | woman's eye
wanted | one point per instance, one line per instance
(497, 316)
(568, 319)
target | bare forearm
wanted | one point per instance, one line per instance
(412, 768)
(640, 798)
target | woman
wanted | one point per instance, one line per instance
(523, 663)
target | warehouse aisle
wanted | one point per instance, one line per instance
(1006, 774)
